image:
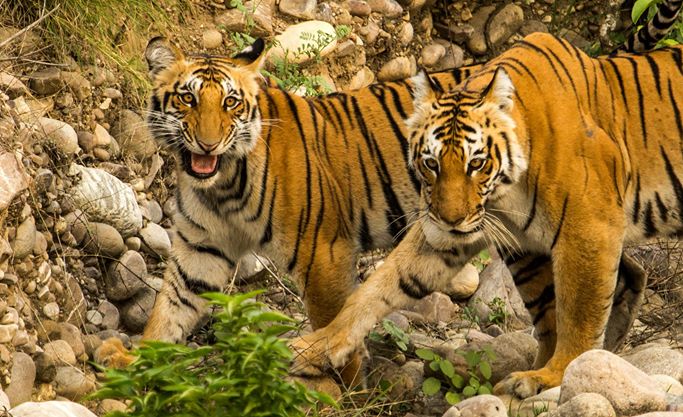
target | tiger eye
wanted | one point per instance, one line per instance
(477, 163)
(187, 98)
(432, 164)
(230, 102)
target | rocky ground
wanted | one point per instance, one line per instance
(86, 199)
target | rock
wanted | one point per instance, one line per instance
(363, 78)
(668, 384)
(25, 239)
(86, 140)
(297, 40)
(94, 317)
(61, 134)
(465, 283)
(529, 407)
(452, 58)
(45, 367)
(108, 405)
(405, 33)
(103, 239)
(396, 69)
(504, 24)
(404, 384)
(12, 86)
(657, 359)
(13, 178)
(23, 376)
(91, 343)
(260, 23)
(131, 133)
(110, 315)
(303, 9)
(7, 332)
(369, 32)
(532, 26)
(72, 335)
(586, 405)
(74, 302)
(457, 33)
(477, 41)
(51, 409)
(497, 290)
(101, 136)
(80, 87)
(51, 310)
(135, 312)
(434, 308)
(60, 353)
(46, 82)
(156, 214)
(399, 320)
(479, 406)
(106, 199)
(212, 39)
(112, 93)
(358, 8)
(432, 53)
(72, 383)
(155, 240)
(4, 401)
(630, 390)
(389, 8)
(126, 277)
(133, 243)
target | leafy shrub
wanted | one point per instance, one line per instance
(243, 373)
(458, 387)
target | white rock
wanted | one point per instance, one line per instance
(297, 41)
(657, 359)
(628, 389)
(51, 409)
(12, 85)
(464, 283)
(668, 384)
(106, 199)
(155, 240)
(586, 405)
(13, 178)
(7, 332)
(25, 240)
(51, 310)
(363, 78)
(101, 136)
(479, 406)
(303, 9)
(60, 352)
(396, 69)
(61, 134)
(212, 39)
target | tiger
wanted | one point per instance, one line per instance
(307, 182)
(557, 158)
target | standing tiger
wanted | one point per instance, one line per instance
(557, 158)
(307, 182)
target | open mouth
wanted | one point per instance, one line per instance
(201, 166)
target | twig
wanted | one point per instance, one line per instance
(29, 27)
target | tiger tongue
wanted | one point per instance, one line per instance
(203, 164)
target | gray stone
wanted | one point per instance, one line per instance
(4, 401)
(303, 9)
(110, 315)
(212, 39)
(234, 20)
(25, 239)
(13, 178)
(135, 312)
(72, 335)
(23, 376)
(479, 406)
(477, 41)
(7, 332)
(60, 353)
(505, 23)
(657, 359)
(453, 58)
(396, 69)
(126, 277)
(405, 33)
(432, 53)
(389, 8)
(103, 239)
(399, 320)
(131, 133)
(51, 310)
(74, 303)
(61, 134)
(94, 317)
(51, 409)
(108, 405)
(46, 82)
(12, 86)
(105, 198)
(72, 383)
(434, 308)
(532, 26)
(101, 137)
(301, 37)
(363, 78)
(586, 405)
(668, 384)
(630, 390)
(155, 240)
(529, 407)
(358, 8)
(79, 86)
(46, 369)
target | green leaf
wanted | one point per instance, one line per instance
(639, 7)
(485, 369)
(434, 366)
(469, 391)
(431, 386)
(458, 381)
(483, 390)
(446, 368)
(452, 398)
(425, 354)
(474, 382)
(472, 358)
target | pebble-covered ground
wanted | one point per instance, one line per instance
(86, 199)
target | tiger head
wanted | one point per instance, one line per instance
(204, 107)
(465, 151)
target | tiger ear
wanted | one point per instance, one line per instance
(160, 54)
(252, 57)
(425, 88)
(500, 90)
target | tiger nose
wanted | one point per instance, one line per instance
(206, 147)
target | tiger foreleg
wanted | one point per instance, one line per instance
(584, 289)
(411, 271)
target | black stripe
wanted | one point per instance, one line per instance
(183, 211)
(295, 112)
(364, 174)
(636, 203)
(299, 236)
(559, 227)
(532, 215)
(675, 182)
(206, 249)
(316, 233)
(655, 72)
(365, 237)
(268, 231)
(676, 114)
(530, 270)
(661, 207)
(648, 221)
(641, 104)
(412, 287)
(182, 299)
(197, 286)
(547, 296)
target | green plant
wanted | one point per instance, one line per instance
(476, 381)
(470, 315)
(644, 10)
(397, 336)
(498, 314)
(243, 373)
(482, 259)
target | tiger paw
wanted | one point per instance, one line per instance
(529, 383)
(112, 354)
(320, 351)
